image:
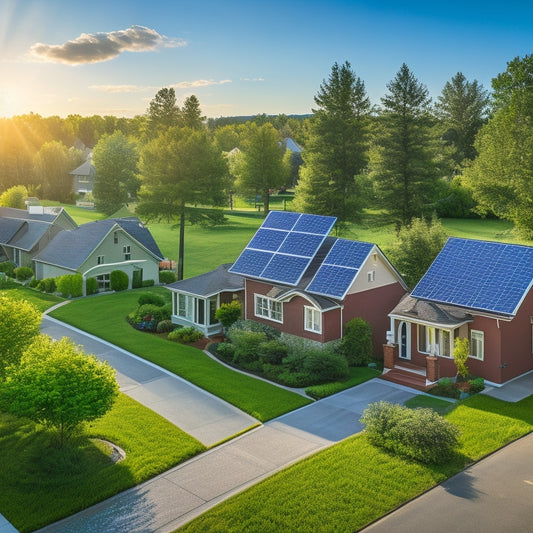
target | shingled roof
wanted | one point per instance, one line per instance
(210, 283)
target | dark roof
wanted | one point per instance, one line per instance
(210, 283)
(45, 214)
(85, 169)
(70, 248)
(29, 238)
(431, 312)
(8, 228)
(479, 275)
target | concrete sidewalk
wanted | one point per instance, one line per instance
(514, 390)
(184, 492)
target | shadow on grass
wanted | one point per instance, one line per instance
(522, 410)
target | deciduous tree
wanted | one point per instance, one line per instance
(14, 197)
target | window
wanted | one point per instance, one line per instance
(477, 344)
(115, 237)
(312, 320)
(127, 252)
(100, 260)
(268, 308)
(103, 282)
(371, 276)
(434, 341)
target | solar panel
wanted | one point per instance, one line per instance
(481, 275)
(286, 243)
(338, 270)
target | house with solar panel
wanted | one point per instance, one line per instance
(474, 289)
(295, 277)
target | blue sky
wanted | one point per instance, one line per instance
(241, 57)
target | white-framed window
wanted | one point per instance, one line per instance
(103, 282)
(312, 320)
(115, 237)
(371, 276)
(477, 344)
(126, 250)
(100, 260)
(268, 308)
(434, 341)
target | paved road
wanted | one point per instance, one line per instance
(197, 412)
(495, 494)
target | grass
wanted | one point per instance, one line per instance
(41, 300)
(41, 483)
(258, 398)
(441, 406)
(357, 375)
(353, 483)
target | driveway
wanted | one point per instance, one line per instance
(494, 494)
(199, 413)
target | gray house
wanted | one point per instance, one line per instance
(97, 248)
(83, 181)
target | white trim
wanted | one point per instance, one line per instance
(269, 309)
(407, 340)
(313, 310)
(428, 323)
(482, 340)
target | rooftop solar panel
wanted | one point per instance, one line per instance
(280, 220)
(348, 253)
(251, 262)
(267, 239)
(481, 275)
(332, 281)
(285, 269)
(304, 244)
(320, 225)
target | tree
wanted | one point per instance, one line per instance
(59, 386)
(416, 247)
(163, 112)
(179, 169)
(261, 168)
(462, 108)
(19, 325)
(461, 350)
(53, 163)
(14, 197)
(336, 152)
(404, 167)
(115, 159)
(191, 115)
(501, 177)
(227, 314)
(356, 343)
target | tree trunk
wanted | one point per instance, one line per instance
(181, 244)
(266, 201)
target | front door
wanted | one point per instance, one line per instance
(404, 341)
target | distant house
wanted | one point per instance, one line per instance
(83, 180)
(474, 289)
(292, 276)
(97, 248)
(24, 233)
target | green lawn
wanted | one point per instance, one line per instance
(357, 375)
(104, 316)
(353, 483)
(41, 300)
(40, 484)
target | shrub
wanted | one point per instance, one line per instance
(228, 314)
(294, 362)
(167, 276)
(150, 298)
(476, 385)
(273, 352)
(295, 379)
(152, 312)
(252, 325)
(247, 345)
(118, 280)
(225, 351)
(8, 267)
(147, 283)
(420, 434)
(446, 387)
(47, 285)
(23, 273)
(91, 286)
(185, 335)
(324, 366)
(33, 283)
(70, 285)
(461, 349)
(356, 343)
(165, 326)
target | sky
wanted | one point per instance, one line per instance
(61, 57)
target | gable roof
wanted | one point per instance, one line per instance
(484, 276)
(43, 214)
(8, 228)
(29, 238)
(70, 248)
(210, 283)
(85, 169)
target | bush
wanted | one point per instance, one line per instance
(118, 280)
(47, 285)
(446, 387)
(91, 286)
(152, 312)
(246, 345)
(476, 385)
(324, 366)
(228, 314)
(147, 283)
(23, 273)
(295, 379)
(420, 434)
(252, 325)
(8, 267)
(356, 343)
(225, 351)
(185, 335)
(461, 350)
(167, 276)
(33, 283)
(273, 352)
(165, 326)
(150, 298)
(70, 285)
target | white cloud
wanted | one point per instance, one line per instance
(96, 47)
(252, 79)
(121, 88)
(198, 83)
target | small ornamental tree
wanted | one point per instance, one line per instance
(70, 285)
(58, 386)
(461, 349)
(118, 280)
(19, 325)
(228, 314)
(356, 343)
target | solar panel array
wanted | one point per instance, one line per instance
(339, 268)
(485, 276)
(283, 247)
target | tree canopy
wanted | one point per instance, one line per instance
(163, 111)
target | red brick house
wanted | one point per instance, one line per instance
(477, 290)
(306, 284)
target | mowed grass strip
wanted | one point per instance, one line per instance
(353, 483)
(39, 299)
(41, 484)
(105, 317)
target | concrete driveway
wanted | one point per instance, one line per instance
(199, 413)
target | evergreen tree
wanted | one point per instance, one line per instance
(163, 112)
(404, 166)
(191, 115)
(336, 152)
